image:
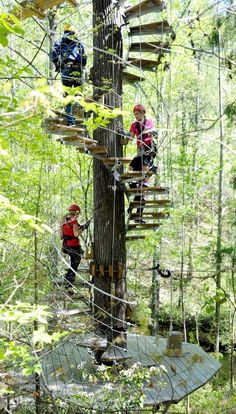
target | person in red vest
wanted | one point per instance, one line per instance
(70, 231)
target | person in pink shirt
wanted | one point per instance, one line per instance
(144, 130)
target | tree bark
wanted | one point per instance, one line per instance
(109, 213)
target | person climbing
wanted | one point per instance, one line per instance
(144, 130)
(70, 230)
(68, 57)
(136, 165)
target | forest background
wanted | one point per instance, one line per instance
(192, 99)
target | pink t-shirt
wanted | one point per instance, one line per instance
(145, 140)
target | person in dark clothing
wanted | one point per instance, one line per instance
(68, 57)
(137, 165)
(70, 231)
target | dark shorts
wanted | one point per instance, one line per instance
(71, 76)
(72, 250)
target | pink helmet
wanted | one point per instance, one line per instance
(140, 108)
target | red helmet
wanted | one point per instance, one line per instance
(74, 207)
(140, 108)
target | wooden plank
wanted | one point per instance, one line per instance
(64, 313)
(133, 237)
(119, 160)
(61, 119)
(151, 47)
(148, 190)
(79, 139)
(149, 215)
(144, 7)
(131, 78)
(143, 226)
(144, 64)
(66, 129)
(150, 202)
(134, 176)
(150, 29)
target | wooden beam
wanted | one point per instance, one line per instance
(151, 203)
(66, 129)
(151, 29)
(144, 7)
(151, 47)
(79, 139)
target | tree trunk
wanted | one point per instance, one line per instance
(109, 213)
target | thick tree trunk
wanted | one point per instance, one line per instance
(109, 213)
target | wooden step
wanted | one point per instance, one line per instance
(65, 129)
(149, 216)
(113, 353)
(151, 47)
(37, 8)
(64, 313)
(144, 7)
(134, 237)
(144, 64)
(130, 78)
(153, 203)
(143, 226)
(61, 119)
(95, 343)
(119, 160)
(150, 29)
(77, 139)
(63, 115)
(134, 176)
(95, 151)
(148, 190)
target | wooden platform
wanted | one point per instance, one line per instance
(150, 47)
(144, 7)
(38, 7)
(180, 377)
(157, 28)
(77, 140)
(148, 190)
(144, 64)
(61, 129)
(143, 226)
(131, 78)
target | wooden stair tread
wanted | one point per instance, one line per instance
(132, 78)
(147, 215)
(152, 47)
(113, 353)
(146, 189)
(37, 8)
(151, 202)
(144, 64)
(134, 174)
(61, 119)
(66, 128)
(78, 139)
(61, 313)
(120, 160)
(145, 7)
(143, 226)
(93, 150)
(132, 237)
(150, 28)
